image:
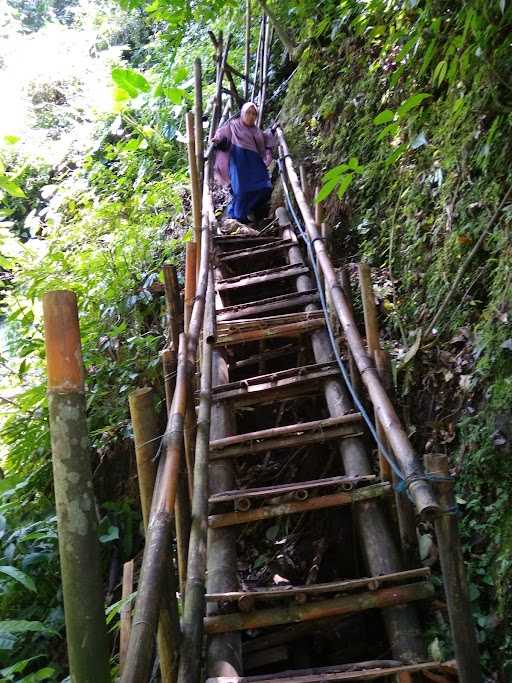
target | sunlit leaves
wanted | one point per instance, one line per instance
(129, 80)
(10, 187)
(339, 177)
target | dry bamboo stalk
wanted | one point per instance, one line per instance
(385, 472)
(74, 494)
(194, 183)
(454, 576)
(169, 360)
(198, 116)
(318, 503)
(172, 299)
(194, 606)
(146, 435)
(347, 604)
(155, 564)
(369, 309)
(190, 282)
(418, 487)
(247, 59)
(126, 612)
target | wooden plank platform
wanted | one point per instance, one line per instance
(302, 433)
(268, 305)
(329, 674)
(293, 507)
(279, 592)
(261, 276)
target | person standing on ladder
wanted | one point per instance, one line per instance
(244, 152)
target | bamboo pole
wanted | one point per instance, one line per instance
(194, 183)
(146, 435)
(412, 470)
(247, 60)
(155, 563)
(264, 83)
(190, 281)
(259, 53)
(454, 576)
(369, 309)
(169, 360)
(172, 299)
(194, 607)
(126, 612)
(82, 588)
(198, 116)
(347, 604)
(355, 377)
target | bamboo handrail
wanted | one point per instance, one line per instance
(412, 470)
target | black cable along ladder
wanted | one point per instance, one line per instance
(265, 307)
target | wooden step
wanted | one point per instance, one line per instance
(256, 251)
(297, 487)
(272, 327)
(268, 305)
(246, 599)
(264, 356)
(363, 671)
(288, 436)
(293, 507)
(286, 383)
(221, 241)
(261, 277)
(338, 606)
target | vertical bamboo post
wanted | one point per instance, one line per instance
(258, 58)
(247, 60)
(305, 186)
(194, 183)
(146, 435)
(74, 494)
(198, 116)
(126, 612)
(454, 577)
(182, 505)
(172, 299)
(404, 508)
(190, 281)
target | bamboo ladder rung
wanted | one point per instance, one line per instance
(316, 431)
(290, 508)
(268, 305)
(261, 277)
(329, 674)
(260, 389)
(276, 593)
(277, 327)
(338, 606)
(271, 248)
(221, 241)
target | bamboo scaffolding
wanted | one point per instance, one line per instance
(412, 470)
(198, 116)
(169, 360)
(370, 583)
(243, 324)
(454, 577)
(194, 184)
(155, 564)
(377, 540)
(247, 57)
(264, 72)
(293, 507)
(194, 605)
(126, 612)
(259, 53)
(268, 305)
(79, 554)
(347, 604)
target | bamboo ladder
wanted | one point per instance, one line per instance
(251, 304)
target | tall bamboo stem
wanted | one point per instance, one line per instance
(454, 577)
(126, 612)
(190, 281)
(194, 183)
(193, 612)
(172, 300)
(247, 60)
(412, 470)
(198, 115)
(74, 494)
(257, 63)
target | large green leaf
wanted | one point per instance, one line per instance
(19, 576)
(326, 190)
(412, 102)
(384, 117)
(344, 184)
(130, 81)
(9, 626)
(10, 187)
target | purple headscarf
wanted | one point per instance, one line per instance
(236, 132)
